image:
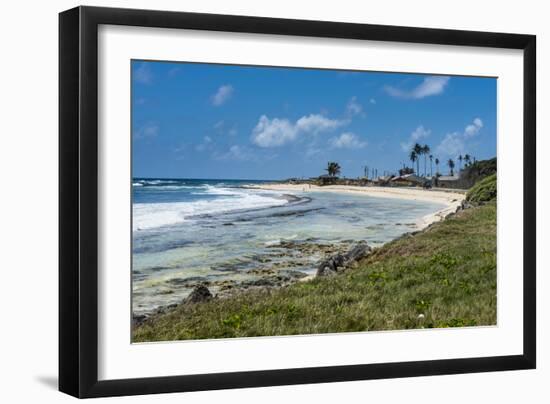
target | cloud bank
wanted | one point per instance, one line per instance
(280, 131)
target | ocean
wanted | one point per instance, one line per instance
(221, 232)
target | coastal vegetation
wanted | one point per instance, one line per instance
(476, 171)
(483, 191)
(418, 150)
(443, 276)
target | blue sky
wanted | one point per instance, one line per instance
(193, 120)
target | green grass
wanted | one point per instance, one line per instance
(484, 190)
(446, 273)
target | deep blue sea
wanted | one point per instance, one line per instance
(193, 229)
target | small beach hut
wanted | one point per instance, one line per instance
(383, 180)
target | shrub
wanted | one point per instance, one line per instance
(484, 190)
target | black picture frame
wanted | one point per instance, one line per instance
(78, 201)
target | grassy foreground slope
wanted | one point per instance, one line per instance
(444, 276)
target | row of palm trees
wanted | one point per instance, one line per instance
(333, 168)
(419, 150)
(467, 159)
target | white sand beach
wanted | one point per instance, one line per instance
(451, 199)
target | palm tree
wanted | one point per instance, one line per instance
(451, 165)
(436, 166)
(425, 151)
(413, 157)
(431, 166)
(333, 168)
(467, 159)
(419, 150)
(460, 163)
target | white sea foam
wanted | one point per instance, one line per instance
(156, 182)
(173, 187)
(152, 215)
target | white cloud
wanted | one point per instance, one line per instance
(354, 107)
(454, 144)
(235, 152)
(143, 74)
(222, 95)
(277, 132)
(273, 132)
(432, 85)
(474, 128)
(419, 133)
(347, 140)
(146, 131)
(372, 101)
(315, 123)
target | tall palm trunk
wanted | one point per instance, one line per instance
(424, 164)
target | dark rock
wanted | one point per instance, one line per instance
(325, 270)
(360, 250)
(339, 262)
(466, 205)
(138, 319)
(330, 266)
(199, 294)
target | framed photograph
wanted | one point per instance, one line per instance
(251, 201)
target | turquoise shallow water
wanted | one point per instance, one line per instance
(186, 231)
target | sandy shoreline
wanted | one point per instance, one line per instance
(452, 200)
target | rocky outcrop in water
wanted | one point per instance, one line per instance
(339, 262)
(283, 264)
